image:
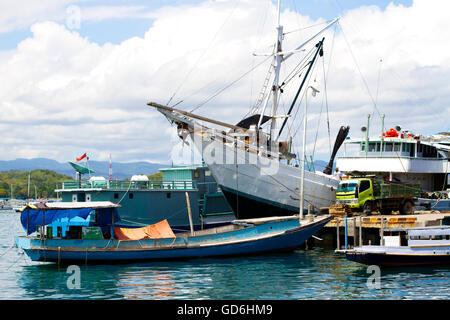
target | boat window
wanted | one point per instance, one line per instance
(365, 184)
(440, 237)
(131, 196)
(420, 238)
(116, 195)
(412, 152)
(378, 147)
(436, 237)
(396, 146)
(347, 187)
(388, 147)
(406, 147)
(372, 147)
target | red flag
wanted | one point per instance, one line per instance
(82, 157)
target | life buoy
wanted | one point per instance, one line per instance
(391, 133)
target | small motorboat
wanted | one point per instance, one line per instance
(418, 246)
(85, 232)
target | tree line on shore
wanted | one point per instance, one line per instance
(42, 183)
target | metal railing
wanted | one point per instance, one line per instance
(132, 185)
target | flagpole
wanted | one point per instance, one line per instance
(87, 164)
(110, 168)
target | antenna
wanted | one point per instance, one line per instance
(110, 168)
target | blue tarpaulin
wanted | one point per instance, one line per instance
(30, 218)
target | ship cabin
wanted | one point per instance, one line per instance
(145, 201)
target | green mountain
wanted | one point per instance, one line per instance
(101, 168)
(42, 183)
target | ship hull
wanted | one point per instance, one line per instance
(257, 186)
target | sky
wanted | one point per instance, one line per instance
(76, 75)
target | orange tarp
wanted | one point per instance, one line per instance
(155, 231)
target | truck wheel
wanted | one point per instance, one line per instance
(367, 208)
(407, 207)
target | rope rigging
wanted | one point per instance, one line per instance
(359, 70)
(203, 53)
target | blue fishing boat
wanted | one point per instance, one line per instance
(80, 233)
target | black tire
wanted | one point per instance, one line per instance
(407, 207)
(367, 208)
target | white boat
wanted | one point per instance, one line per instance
(406, 247)
(253, 168)
(402, 156)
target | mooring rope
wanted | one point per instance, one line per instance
(6, 251)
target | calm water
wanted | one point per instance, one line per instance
(304, 274)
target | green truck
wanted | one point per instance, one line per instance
(371, 193)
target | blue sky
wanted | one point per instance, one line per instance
(116, 30)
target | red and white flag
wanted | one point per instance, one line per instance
(82, 157)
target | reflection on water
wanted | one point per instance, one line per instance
(302, 274)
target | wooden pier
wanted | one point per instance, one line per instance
(367, 229)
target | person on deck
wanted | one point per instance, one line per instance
(337, 174)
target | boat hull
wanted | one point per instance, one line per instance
(247, 206)
(251, 181)
(390, 260)
(272, 236)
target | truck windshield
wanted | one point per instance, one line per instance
(347, 187)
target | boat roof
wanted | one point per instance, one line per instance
(73, 205)
(442, 144)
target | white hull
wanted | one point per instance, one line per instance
(259, 179)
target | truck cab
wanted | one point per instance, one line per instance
(355, 192)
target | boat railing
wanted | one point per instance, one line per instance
(125, 185)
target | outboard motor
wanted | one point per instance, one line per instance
(342, 134)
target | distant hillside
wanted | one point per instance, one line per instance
(101, 168)
(320, 165)
(42, 183)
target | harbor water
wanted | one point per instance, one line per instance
(318, 273)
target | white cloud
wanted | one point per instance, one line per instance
(63, 94)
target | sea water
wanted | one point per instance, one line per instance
(318, 273)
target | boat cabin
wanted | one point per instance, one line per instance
(417, 237)
(145, 202)
(70, 220)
